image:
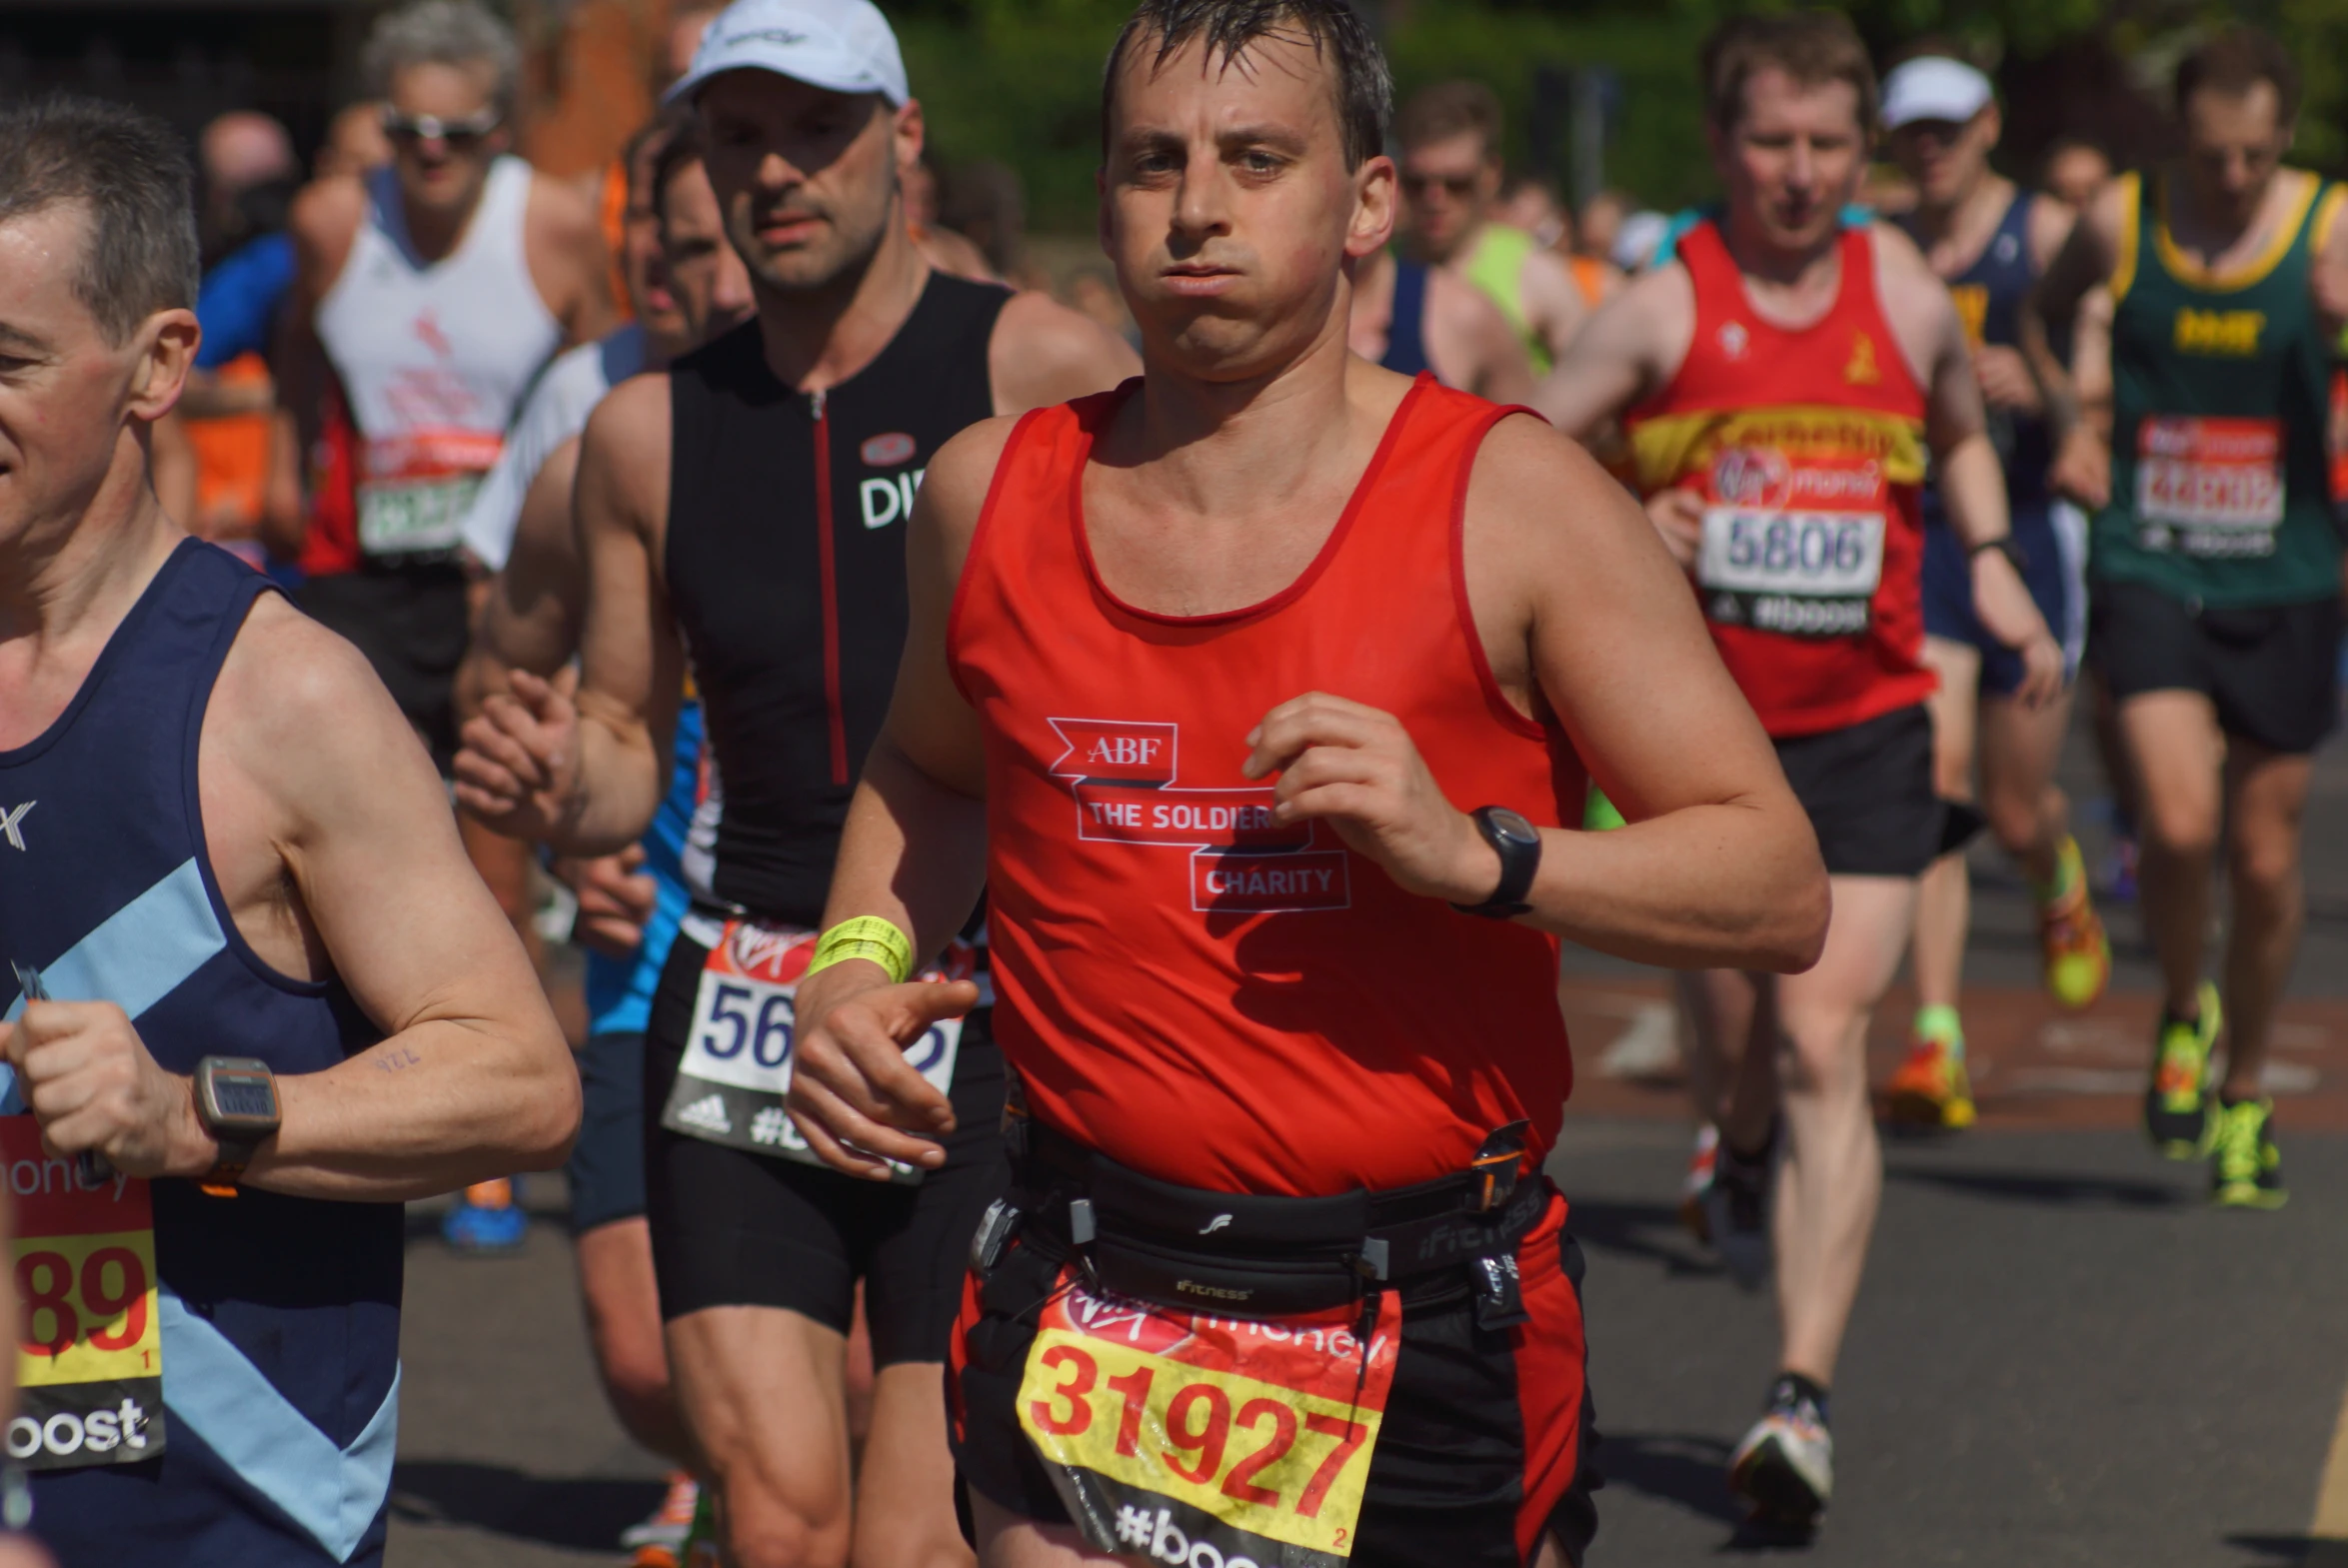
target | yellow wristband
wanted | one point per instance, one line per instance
(866, 936)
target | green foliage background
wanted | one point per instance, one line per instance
(1020, 80)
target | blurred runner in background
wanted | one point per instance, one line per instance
(432, 291)
(1449, 142)
(1989, 241)
(2216, 594)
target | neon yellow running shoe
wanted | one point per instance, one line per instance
(2071, 938)
(1931, 1089)
(2177, 1104)
(2246, 1169)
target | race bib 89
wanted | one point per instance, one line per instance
(1178, 1437)
(731, 1084)
(89, 1354)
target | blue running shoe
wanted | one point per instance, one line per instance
(487, 1220)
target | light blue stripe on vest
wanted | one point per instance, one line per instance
(211, 1389)
(138, 956)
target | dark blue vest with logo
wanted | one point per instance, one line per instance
(280, 1316)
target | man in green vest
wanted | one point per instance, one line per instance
(1450, 136)
(2216, 570)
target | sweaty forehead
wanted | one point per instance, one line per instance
(1277, 78)
(448, 90)
(1774, 96)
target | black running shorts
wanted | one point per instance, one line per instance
(1486, 1443)
(2273, 672)
(1868, 790)
(412, 623)
(733, 1228)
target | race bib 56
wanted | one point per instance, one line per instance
(1178, 1437)
(731, 1084)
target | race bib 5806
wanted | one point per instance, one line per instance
(1792, 548)
(1178, 1437)
(731, 1084)
(89, 1354)
(2209, 486)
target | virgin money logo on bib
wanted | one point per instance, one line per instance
(777, 957)
(1752, 477)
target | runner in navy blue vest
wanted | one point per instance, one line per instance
(1411, 317)
(258, 997)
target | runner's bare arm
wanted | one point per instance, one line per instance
(1966, 468)
(2087, 258)
(531, 618)
(587, 777)
(1043, 353)
(323, 224)
(1553, 302)
(1583, 614)
(913, 853)
(1631, 349)
(2330, 279)
(1462, 322)
(335, 853)
(568, 261)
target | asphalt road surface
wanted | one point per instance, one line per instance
(2060, 1355)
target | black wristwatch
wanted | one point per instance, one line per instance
(1518, 845)
(236, 1100)
(2005, 544)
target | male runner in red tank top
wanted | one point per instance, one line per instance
(1782, 380)
(1253, 689)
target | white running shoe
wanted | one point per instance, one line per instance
(1784, 1468)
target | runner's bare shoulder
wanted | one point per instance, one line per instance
(624, 452)
(1044, 353)
(955, 483)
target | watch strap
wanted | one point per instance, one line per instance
(1519, 864)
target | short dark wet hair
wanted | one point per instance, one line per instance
(1364, 87)
(2236, 59)
(129, 171)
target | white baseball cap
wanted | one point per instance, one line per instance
(1934, 87)
(845, 46)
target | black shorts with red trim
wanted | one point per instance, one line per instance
(1485, 1449)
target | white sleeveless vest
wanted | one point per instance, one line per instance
(434, 359)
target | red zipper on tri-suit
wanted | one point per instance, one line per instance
(832, 707)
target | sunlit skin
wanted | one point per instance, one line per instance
(2234, 142)
(441, 178)
(640, 252)
(806, 177)
(1944, 158)
(1449, 183)
(1230, 215)
(75, 409)
(711, 285)
(2075, 175)
(1791, 160)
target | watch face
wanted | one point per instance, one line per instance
(246, 1097)
(1513, 827)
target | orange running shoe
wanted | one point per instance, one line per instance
(1930, 1089)
(659, 1542)
(2071, 938)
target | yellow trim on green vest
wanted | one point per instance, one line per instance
(2123, 272)
(2212, 280)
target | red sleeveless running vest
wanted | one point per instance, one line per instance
(1202, 994)
(1807, 448)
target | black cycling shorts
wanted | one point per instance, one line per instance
(412, 623)
(733, 1228)
(605, 1169)
(1868, 791)
(2272, 672)
(1485, 1447)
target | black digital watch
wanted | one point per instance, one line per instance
(1518, 845)
(236, 1100)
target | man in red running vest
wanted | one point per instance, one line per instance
(1253, 689)
(1783, 379)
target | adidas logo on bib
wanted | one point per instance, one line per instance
(707, 1114)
